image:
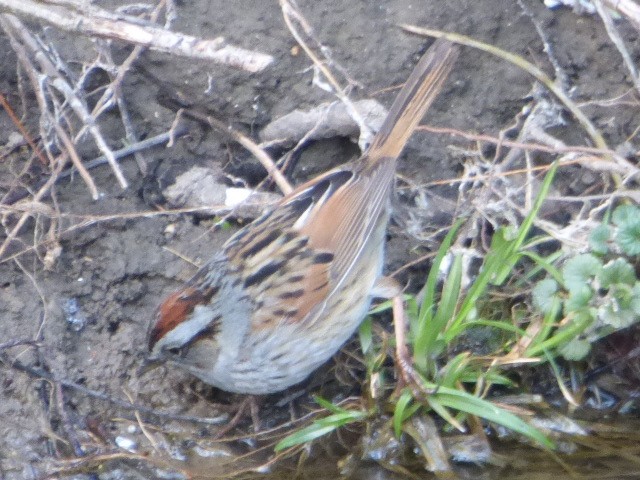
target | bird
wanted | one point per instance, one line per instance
(287, 290)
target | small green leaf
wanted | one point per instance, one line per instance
(578, 298)
(303, 436)
(222, 224)
(617, 319)
(624, 214)
(366, 335)
(543, 294)
(575, 350)
(327, 405)
(628, 237)
(622, 293)
(580, 270)
(617, 271)
(619, 310)
(599, 238)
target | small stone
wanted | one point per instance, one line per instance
(126, 444)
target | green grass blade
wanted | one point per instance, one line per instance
(452, 371)
(365, 334)
(327, 405)
(400, 411)
(548, 324)
(430, 288)
(428, 332)
(450, 295)
(477, 289)
(465, 402)
(545, 264)
(321, 427)
(581, 321)
(501, 259)
(441, 410)
(526, 225)
(498, 324)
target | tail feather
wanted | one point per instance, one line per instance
(419, 91)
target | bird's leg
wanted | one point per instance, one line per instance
(253, 403)
(408, 373)
(389, 288)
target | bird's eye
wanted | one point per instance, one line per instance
(175, 351)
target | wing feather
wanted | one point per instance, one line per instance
(296, 256)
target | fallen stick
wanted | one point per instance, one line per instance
(122, 153)
(96, 22)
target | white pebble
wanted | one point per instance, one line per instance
(126, 444)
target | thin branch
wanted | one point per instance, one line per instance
(255, 149)
(628, 8)
(36, 198)
(292, 15)
(23, 131)
(150, 142)
(114, 90)
(95, 22)
(616, 38)
(51, 73)
(533, 70)
(77, 161)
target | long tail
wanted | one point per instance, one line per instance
(414, 99)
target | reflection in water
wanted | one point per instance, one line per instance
(610, 451)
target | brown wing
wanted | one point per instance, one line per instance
(343, 223)
(283, 269)
(295, 256)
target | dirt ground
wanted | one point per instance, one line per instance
(89, 312)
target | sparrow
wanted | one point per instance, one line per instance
(285, 292)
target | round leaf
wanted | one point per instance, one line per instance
(618, 318)
(543, 294)
(628, 237)
(599, 238)
(624, 214)
(579, 298)
(580, 271)
(617, 271)
(576, 349)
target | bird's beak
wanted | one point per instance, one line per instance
(148, 365)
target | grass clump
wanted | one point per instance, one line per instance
(575, 300)
(437, 321)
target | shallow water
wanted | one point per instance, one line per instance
(610, 451)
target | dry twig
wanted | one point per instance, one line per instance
(296, 23)
(628, 8)
(96, 22)
(29, 50)
(616, 38)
